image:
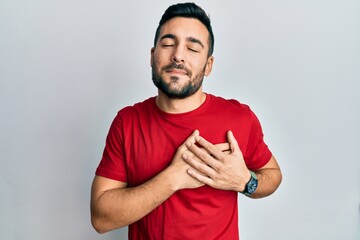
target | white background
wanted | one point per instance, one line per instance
(67, 67)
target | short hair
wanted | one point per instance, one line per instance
(188, 10)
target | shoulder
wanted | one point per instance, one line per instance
(130, 113)
(139, 107)
(233, 104)
(232, 108)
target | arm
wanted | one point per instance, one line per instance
(269, 179)
(114, 205)
(229, 171)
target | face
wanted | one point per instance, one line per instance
(180, 59)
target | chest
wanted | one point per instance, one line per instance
(150, 144)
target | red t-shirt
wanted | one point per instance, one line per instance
(142, 142)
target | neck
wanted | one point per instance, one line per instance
(187, 104)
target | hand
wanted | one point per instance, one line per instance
(179, 167)
(216, 167)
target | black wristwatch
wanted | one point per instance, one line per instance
(251, 186)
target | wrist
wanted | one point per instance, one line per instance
(248, 178)
(251, 185)
(244, 180)
(168, 177)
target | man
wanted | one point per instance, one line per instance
(174, 164)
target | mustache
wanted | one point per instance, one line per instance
(172, 66)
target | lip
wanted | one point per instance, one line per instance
(177, 71)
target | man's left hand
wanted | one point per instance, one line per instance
(219, 169)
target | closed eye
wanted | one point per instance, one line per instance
(193, 50)
(167, 40)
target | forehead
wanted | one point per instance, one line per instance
(182, 27)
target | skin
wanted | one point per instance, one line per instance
(114, 205)
(227, 170)
(183, 47)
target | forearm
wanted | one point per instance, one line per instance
(269, 180)
(119, 207)
(115, 205)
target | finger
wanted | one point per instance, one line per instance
(199, 165)
(209, 147)
(200, 177)
(186, 154)
(224, 147)
(189, 140)
(203, 154)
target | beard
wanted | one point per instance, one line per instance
(173, 90)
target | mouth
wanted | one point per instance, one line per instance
(176, 71)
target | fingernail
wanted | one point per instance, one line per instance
(188, 144)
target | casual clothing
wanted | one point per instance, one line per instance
(142, 142)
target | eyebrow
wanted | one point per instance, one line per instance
(169, 35)
(189, 39)
(194, 40)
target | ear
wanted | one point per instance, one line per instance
(209, 65)
(152, 56)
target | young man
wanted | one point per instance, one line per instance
(174, 164)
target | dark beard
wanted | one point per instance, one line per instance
(191, 87)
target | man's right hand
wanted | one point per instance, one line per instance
(178, 168)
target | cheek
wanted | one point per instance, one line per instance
(158, 61)
(154, 61)
(200, 66)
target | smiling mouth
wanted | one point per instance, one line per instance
(177, 71)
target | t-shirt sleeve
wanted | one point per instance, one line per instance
(112, 164)
(257, 153)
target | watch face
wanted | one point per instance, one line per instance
(251, 186)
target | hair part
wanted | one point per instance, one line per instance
(188, 10)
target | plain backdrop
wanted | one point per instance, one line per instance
(67, 67)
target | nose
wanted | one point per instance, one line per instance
(178, 55)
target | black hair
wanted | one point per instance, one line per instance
(188, 10)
